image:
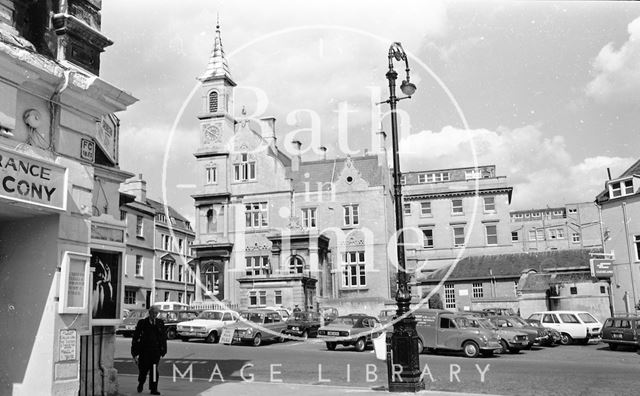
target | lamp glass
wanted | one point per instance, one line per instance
(408, 88)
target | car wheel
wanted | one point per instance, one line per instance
(360, 345)
(305, 335)
(212, 338)
(420, 346)
(613, 347)
(257, 340)
(171, 334)
(505, 346)
(565, 339)
(331, 346)
(470, 349)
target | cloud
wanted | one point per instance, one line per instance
(617, 72)
(539, 168)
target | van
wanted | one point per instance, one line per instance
(621, 330)
(574, 326)
(445, 330)
(171, 306)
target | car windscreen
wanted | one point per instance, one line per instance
(210, 315)
(254, 317)
(344, 321)
(587, 318)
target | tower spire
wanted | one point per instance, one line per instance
(217, 66)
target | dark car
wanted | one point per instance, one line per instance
(128, 325)
(353, 329)
(555, 336)
(621, 331)
(303, 324)
(328, 314)
(172, 318)
(536, 335)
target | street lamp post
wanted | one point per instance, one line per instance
(404, 357)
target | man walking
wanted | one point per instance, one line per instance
(149, 344)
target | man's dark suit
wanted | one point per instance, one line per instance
(149, 344)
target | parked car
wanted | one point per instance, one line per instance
(511, 339)
(578, 326)
(328, 314)
(207, 325)
(284, 312)
(257, 325)
(498, 311)
(303, 324)
(621, 330)
(536, 335)
(128, 325)
(387, 315)
(171, 306)
(355, 330)
(445, 330)
(554, 334)
(172, 318)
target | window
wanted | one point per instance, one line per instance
(514, 236)
(557, 213)
(180, 275)
(180, 297)
(573, 290)
(244, 170)
(167, 269)
(138, 265)
(517, 215)
(456, 206)
(478, 290)
(492, 234)
(129, 296)
(568, 318)
(447, 323)
(309, 217)
(575, 237)
(472, 174)
(212, 174)
(437, 177)
(422, 178)
(161, 218)
(532, 235)
(296, 265)
(427, 238)
(277, 297)
(257, 265)
(549, 318)
(166, 242)
(180, 245)
(458, 236)
(407, 208)
(621, 188)
(536, 215)
(262, 294)
(425, 208)
(489, 205)
(253, 298)
(257, 298)
(572, 210)
(556, 233)
(139, 226)
(213, 102)
(123, 215)
(256, 215)
(540, 234)
(449, 296)
(354, 269)
(167, 296)
(603, 290)
(636, 242)
(351, 215)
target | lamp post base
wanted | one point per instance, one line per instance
(404, 360)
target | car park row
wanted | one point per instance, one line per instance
(473, 333)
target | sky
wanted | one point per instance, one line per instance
(549, 92)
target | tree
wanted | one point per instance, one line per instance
(435, 301)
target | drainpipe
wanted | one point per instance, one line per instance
(54, 109)
(626, 235)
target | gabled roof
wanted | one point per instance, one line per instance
(159, 208)
(510, 265)
(632, 170)
(311, 173)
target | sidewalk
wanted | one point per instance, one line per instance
(127, 385)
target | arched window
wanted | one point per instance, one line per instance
(296, 265)
(211, 221)
(213, 101)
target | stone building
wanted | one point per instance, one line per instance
(157, 262)
(571, 226)
(272, 229)
(61, 237)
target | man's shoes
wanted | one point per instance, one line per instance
(140, 388)
(155, 392)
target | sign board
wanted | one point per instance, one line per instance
(88, 150)
(227, 336)
(107, 136)
(74, 287)
(601, 268)
(107, 233)
(67, 345)
(32, 180)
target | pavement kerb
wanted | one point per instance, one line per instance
(127, 387)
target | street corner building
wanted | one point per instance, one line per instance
(273, 229)
(61, 237)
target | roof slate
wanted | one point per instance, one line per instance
(311, 173)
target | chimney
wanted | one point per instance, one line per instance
(323, 149)
(382, 151)
(295, 161)
(136, 186)
(268, 129)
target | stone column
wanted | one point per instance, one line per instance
(198, 285)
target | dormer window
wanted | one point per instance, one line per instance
(213, 101)
(621, 188)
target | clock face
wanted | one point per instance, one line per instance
(211, 134)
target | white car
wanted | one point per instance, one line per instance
(208, 325)
(578, 326)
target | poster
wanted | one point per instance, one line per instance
(105, 285)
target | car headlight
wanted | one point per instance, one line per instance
(248, 332)
(484, 338)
